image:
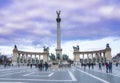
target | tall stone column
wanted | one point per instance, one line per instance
(58, 49)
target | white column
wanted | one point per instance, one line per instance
(19, 58)
(100, 57)
(39, 58)
(87, 58)
(23, 58)
(31, 59)
(35, 59)
(58, 49)
(103, 57)
(26, 58)
(83, 58)
(92, 57)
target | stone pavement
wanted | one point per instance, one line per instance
(115, 70)
(75, 74)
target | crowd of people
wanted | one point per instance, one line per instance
(107, 65)
(41, 66)
(44, 66)
(88, 64)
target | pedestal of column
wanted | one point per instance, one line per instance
(59, 51)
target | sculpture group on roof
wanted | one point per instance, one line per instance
(45, 48)
(76, 48)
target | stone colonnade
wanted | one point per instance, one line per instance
(23, 57)
(99, 56)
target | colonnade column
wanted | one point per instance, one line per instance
(92, 58)
(83, 58)
(35, 59)
(100, 58)
(87, 58)
(104, 58)
(18, 58)
(31, 59)
(27, 58)
(22, 58)
(39, 58)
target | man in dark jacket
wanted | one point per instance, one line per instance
(46, 66)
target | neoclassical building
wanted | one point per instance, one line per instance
(23, 57)
(98, 56)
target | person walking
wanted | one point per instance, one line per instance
(46, 66)
(40, 66)
(117, 64)
(30, 65)
(89, 64)
(107, 67)
(84, 66)
(110, 67)
(92, 65)
(100, 66)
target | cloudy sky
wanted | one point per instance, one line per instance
(31, 24)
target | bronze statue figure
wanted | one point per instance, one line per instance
(45, 48)
(76, 48)
(58, 13)
(15, 46)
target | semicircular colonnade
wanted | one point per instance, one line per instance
(98, 56)
(23, 57)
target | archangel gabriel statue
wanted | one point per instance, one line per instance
(58, 13)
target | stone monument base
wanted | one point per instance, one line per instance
(59, 64)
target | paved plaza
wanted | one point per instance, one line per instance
(75, 74)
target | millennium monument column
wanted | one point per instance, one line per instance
(58, 49)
